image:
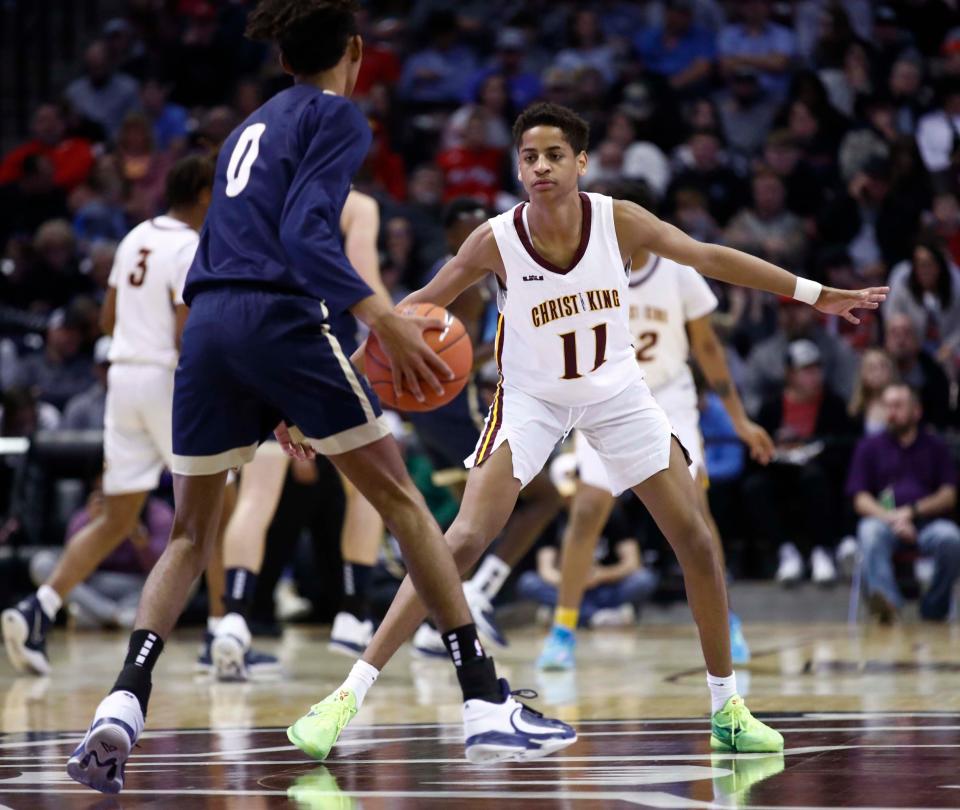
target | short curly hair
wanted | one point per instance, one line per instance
(312, 34)
(576, 131)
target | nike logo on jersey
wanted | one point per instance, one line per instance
(533, 278)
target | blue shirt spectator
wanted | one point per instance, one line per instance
(760, 44)
(678, 50)
(724, 451)
(103, 96)
(437, 73)
(523, 86)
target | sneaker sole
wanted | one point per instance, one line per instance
(86, 768)
(717, 744)
(15, 635)
(227, 654)
(344, 647)
(489, 753)
(304, 746)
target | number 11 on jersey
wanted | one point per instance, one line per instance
(569, 339)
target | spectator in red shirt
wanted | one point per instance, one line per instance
(805, 477)
(72, 158)
(473, 169)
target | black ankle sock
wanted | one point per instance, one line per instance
(476, 673)
(240, 589)
(142, 654)
(356, 580)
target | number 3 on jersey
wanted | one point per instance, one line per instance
(569, 339)
(242, 158)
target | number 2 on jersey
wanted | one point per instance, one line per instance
(569, 339)
(242, 158)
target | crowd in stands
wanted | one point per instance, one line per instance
(823, 135)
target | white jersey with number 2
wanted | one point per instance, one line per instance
(148, 274)
(564, 334)
(662, 297)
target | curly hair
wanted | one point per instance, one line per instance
(576, 131)
(312, 34)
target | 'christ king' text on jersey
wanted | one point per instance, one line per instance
(148, 274)
(564, 335)
(274, 220)
(662, 297)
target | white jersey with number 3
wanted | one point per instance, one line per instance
(662, 297)
(148, 274)
(564, 335)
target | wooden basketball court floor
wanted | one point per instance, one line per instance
(871, 719)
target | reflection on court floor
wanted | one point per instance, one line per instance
(865, 760)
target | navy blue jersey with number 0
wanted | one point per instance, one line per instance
(281, 181)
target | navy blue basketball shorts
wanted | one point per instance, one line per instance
(450, 433)
(252, 358)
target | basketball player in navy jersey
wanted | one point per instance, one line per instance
(258, 352)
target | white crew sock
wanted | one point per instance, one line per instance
(360, 679)
(491, 575)
(212, 622)
(721, 690)
(49, 600)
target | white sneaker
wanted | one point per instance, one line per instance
(823, 570)
(790, 570)
(428, 643)
(848, 556)
(481, 610)
(349, 636)
(290, 604)
(497, 732)
(100, 760)
(622, 616)
(231, 640)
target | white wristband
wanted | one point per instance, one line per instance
(807, 291)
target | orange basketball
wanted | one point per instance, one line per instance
(452, 344)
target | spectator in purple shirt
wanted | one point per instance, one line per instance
(110, 595)
(904, 487)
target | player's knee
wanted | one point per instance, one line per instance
(467, 542)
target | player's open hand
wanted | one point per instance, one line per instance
(757, 440)
(843, 302)
(294, 443)
(401, 337)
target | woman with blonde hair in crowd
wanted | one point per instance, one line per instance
(877, 371)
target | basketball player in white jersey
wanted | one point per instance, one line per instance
(567, 361)
(669, 307)
(145, 313)
(261, 485)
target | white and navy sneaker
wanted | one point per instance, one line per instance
(349, 636)
(428, 643)
(483, 615)
(25, 628)
(511, 731)
(257, 661)
(100, 760)
(229, 648)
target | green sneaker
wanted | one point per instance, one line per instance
(735, 729)
(317, 731)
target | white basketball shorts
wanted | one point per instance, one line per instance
(138, 427)
(677, 398)
(630, 433)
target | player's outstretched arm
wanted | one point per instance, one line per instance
(477, 256)
(638, 230)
